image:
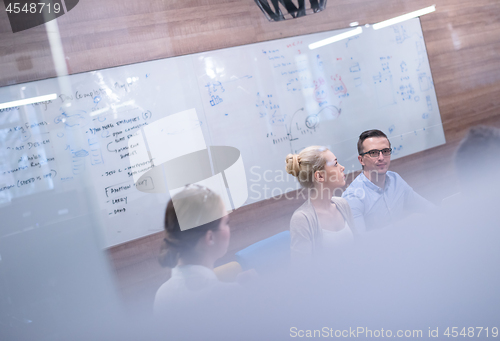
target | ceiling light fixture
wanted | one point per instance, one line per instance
(335, 38)
(28, 101)
(404, 17)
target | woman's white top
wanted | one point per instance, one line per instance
(337, 239)
(187, 285)
(305, 230)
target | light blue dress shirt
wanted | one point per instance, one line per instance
(374, 207)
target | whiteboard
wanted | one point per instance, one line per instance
(266, 99)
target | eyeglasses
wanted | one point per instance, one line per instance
(376, 152)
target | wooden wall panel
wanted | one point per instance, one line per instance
(463, 43)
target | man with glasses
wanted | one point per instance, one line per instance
(379, 197)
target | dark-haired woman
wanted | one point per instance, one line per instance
(197, 234)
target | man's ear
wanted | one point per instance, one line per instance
(360, 159)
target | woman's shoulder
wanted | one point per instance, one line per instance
(304, 212)
(166, 295)
(189, 285)
(306, 208)
(344, 208)
(304, 219)
(339, 201)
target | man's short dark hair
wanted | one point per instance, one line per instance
(370, 133)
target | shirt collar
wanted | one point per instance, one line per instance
(374, 187)
(193, 271)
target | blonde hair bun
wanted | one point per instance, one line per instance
(292, 164)
(304, 164)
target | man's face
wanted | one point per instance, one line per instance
(379, 164)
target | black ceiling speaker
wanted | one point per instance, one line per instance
(26, 14)
(278, 10)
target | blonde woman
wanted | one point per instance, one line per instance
(323, 222)
(192, 253)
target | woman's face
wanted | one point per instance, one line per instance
(334, 172)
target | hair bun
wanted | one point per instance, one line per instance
(292, 164)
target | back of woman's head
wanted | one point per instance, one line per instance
(190, 214)
(305, 164)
